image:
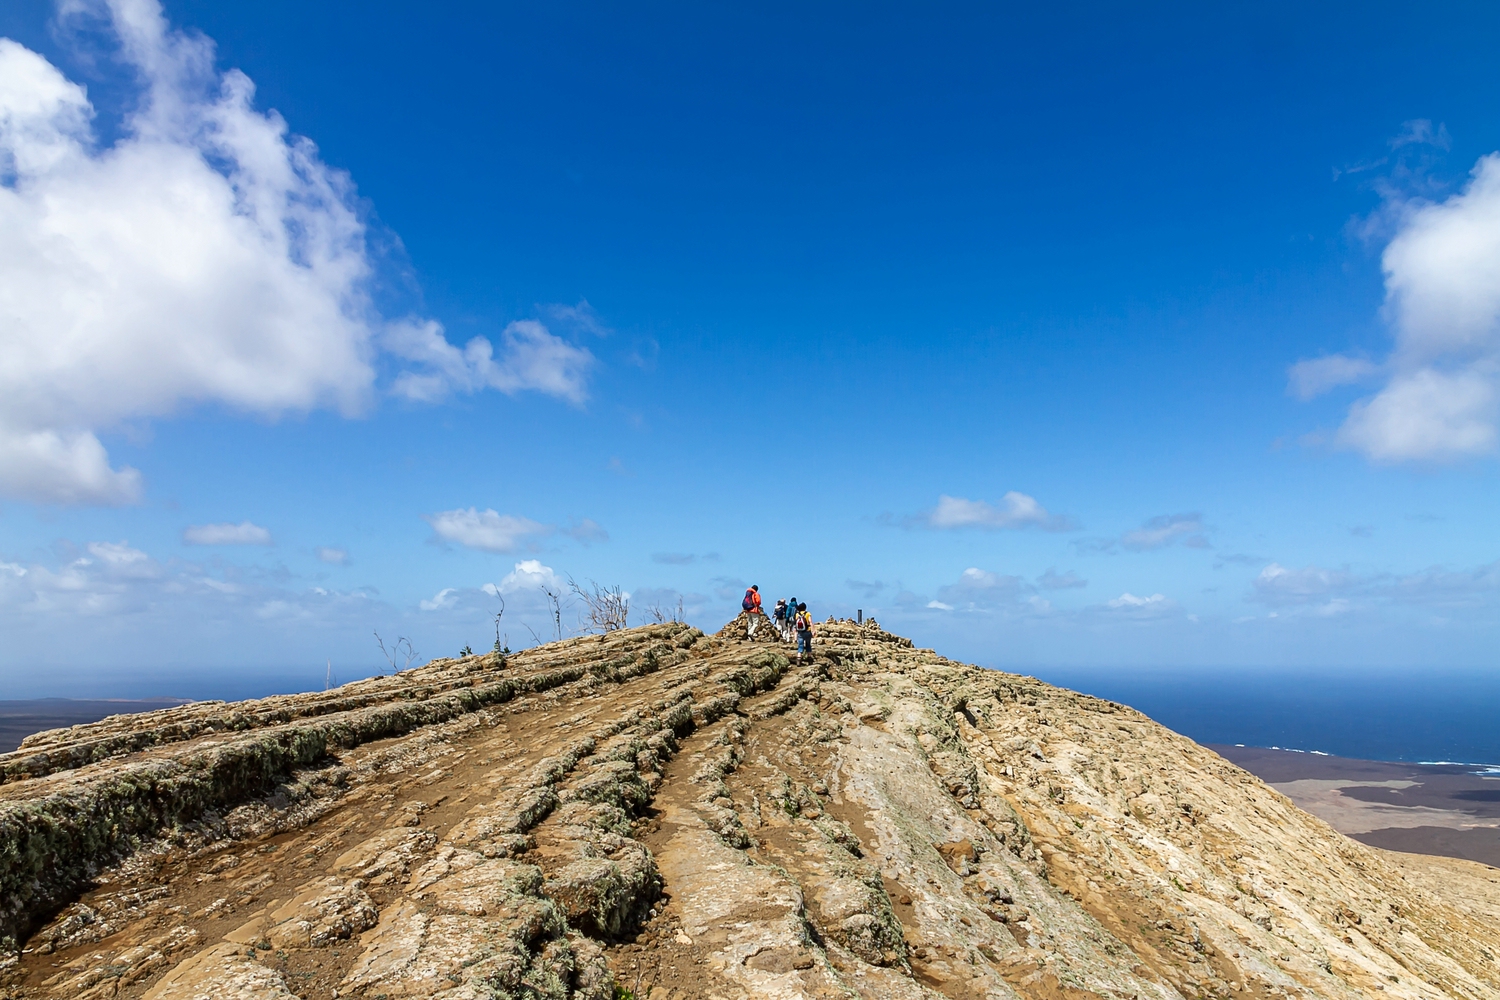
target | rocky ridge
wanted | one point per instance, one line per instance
(656, 812)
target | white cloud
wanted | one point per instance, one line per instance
(243, 533)
(530, 358)
(1278, 586)
(529, 574)
(1315, 376)
(586, 530)
(1427, 414)
(112, 578)
(115, 579)
(1053, 580)
(1445, 587)
(487, 530)
(491, 531)
(332, 556)
(1442, 269)
(1134, 608)
(67, 467)
(1337, 591)
(980, 588)
(579, 319)
(1164, 530)
(1129, 600)
(1419, 131)
(1015, 510)
(1442, 279)
(441, 601)
(985, 595)
(207, 256)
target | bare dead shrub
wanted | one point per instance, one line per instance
(502, 649)
(606, 609)
(554, 601)
(660, 615)
(401, 651)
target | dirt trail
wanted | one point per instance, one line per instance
(655, 812)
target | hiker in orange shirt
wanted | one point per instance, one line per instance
(751, 606)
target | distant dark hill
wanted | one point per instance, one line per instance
(19, 719)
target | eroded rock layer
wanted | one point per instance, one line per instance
(655, 812)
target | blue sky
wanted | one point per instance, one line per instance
(1087, 337)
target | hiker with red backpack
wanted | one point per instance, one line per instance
(804, 627)
(751, 606)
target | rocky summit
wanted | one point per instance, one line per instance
(654, 812)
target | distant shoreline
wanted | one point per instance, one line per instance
(1437, 717)
(1446, 809)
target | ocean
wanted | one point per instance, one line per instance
(1417, 716)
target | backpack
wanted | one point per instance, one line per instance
(749, 601)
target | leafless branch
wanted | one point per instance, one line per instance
(401, 650)
(499, 615)
(554, 598)
(607, 608)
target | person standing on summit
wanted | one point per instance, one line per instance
(751, 606)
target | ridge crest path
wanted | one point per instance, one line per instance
(677, 815)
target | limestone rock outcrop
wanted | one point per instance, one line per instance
(739, 628)
(656, 812)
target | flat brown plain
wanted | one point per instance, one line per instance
(1452, 810)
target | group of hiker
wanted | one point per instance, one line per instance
(791, 618)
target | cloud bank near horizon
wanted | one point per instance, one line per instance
(208, 256)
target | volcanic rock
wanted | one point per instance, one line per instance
(739, 628)
(657, 813)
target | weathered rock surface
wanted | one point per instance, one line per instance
(681, 816)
